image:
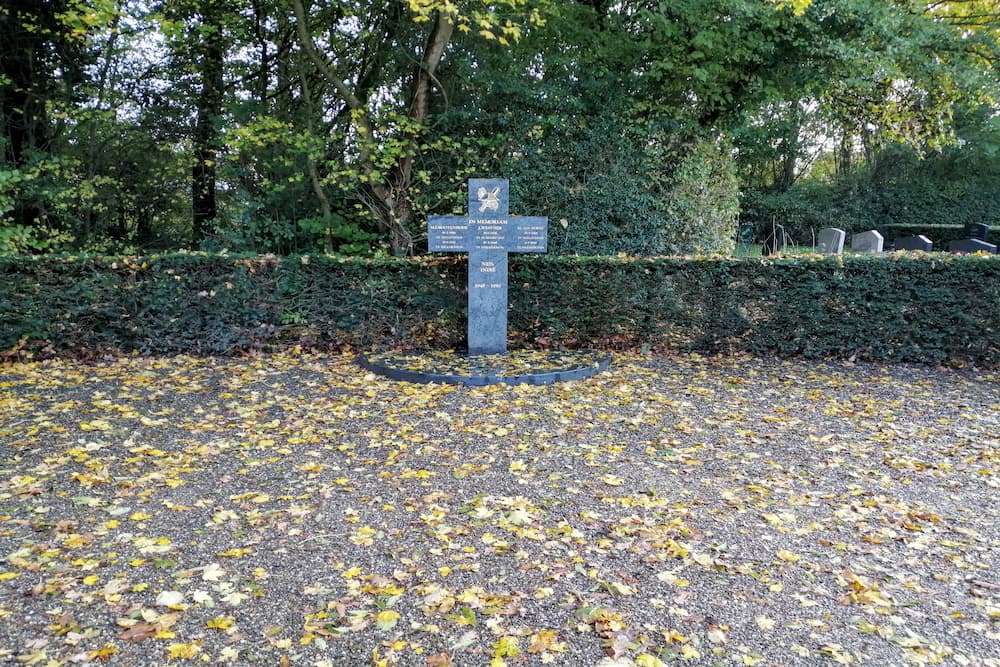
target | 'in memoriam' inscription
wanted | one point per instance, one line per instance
(488, 233)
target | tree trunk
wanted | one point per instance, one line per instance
(206, 133)
(389, 195)
(314, 178)
(23, 95)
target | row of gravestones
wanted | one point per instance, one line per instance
(830, 241)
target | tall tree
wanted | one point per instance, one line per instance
(200, 36)
(390, 199)
(210, 52)
(44, 58)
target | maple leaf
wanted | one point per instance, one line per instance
(222, 623)
(647, 660)
(171, 599)
(212, 572)
(542, 641)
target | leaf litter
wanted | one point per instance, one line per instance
(295, 510)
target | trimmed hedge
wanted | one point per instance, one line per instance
(900, 306)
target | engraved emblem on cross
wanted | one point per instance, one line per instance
(489, 200)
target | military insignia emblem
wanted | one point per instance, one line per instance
(489, 200)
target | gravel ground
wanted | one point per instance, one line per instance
(296, 510)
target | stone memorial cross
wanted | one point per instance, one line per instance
(488, 233)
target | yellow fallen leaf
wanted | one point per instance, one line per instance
(717, 636)
(788, 556)
(172, 599)
(387, 619)
(220, 623)
(541, 641)
(183, 651)
(235, 553)
(765, 623)
(688, 652)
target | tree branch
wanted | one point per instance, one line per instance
(309, 46)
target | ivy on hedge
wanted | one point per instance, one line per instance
(900, 306)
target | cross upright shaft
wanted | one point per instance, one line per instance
(488, 234)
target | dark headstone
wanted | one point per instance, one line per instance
(977, 230)
(920, 242)
(971, 245)
(488, 233)
(775, 241)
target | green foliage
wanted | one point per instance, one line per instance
(802, 210)
(901, 307)
(339, 235)
(609, 117)
(704, 203)
(900, 193)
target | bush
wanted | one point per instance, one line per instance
(899, 307)
(704, 202)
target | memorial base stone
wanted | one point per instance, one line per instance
(488, 233)
(511, 368)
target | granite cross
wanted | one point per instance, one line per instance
(488, 233)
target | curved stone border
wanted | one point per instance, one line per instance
(483, 370)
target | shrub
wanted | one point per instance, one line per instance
(898, 307)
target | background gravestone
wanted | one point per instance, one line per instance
(830, 241)
(919, 242)
(977, 230)
(971, 245)
(870, 241)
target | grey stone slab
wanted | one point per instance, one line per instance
(870, 241)
(487, 301)
(488, 234)
(971, 245)
(830, 241)
(448, 233)
(919, 242)
(476, 376)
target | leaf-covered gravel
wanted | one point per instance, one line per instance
(296, 510)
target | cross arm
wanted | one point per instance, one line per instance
(448, 233)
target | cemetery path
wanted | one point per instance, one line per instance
(294, 510)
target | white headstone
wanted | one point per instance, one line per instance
(831, 241)
(870, 241)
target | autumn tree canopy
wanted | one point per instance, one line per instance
(307, 125)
